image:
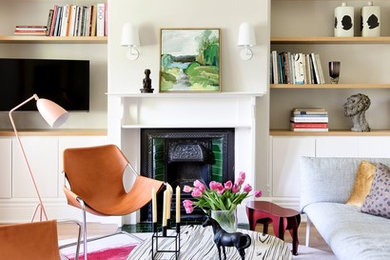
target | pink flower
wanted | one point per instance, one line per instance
(187, 188)
(240, 181)
(199, 185)
(228, 185)
(215, 185)
(221, 190)
(242, 176)
(196, 193)
(258, 193)
(235, 188)
(187, 203)
(189, 209)
(247, 188)
(188, 206)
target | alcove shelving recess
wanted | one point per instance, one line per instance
(307, 26)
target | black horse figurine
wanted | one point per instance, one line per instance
(222, 238)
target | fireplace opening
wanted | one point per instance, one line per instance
(181, 156)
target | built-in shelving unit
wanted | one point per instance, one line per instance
(362, 59)
(330, 40)
(330, 133)
(47, 39)
(330, 86)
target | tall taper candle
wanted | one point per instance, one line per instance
(170, 191)
(164, 220)
(178, 204)
(154, 206)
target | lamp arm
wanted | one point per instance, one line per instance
(42, 208)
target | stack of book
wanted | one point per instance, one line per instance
(296, 68)
(309, 119)
(74, 20)
(30, 30)
(71, 20)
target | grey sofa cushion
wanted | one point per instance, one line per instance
(329, 179)
(350, 233)
(378, 200)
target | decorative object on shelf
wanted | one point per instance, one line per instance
(334, 71)
(156, 246)
(370, 18)
(55, 116)
(218, 196)
(190, 60)
(147, 83)
(130, 39)
(343, 23)
(355, 107)
(222, 238)
(246, 40)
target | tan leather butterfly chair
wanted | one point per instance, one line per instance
(36, 240)
(95, 176)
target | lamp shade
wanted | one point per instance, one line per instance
(53, 114)
(130, 35)
(246, 35)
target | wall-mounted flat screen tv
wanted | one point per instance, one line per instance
(65, 82)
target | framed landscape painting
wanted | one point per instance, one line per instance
(190, 60)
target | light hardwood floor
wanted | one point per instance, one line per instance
(66, 231)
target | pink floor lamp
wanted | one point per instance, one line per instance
(55, 116)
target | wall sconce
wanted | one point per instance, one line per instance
(130, 39)
(246, 40)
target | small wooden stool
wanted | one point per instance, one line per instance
(282, 218)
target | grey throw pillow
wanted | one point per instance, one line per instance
(378, 200)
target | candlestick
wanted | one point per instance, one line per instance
(154, 205)
(178, 204)
(164, 220)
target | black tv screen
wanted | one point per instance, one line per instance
(65, 82)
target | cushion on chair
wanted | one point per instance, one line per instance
(362, 186)
(378, 201)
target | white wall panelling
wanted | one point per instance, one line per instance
(5, 167)
(45, 156)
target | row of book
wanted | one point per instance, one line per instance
(296, 68)
(71, 20)
(309, 119)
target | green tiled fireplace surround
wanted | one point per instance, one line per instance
(154, 153)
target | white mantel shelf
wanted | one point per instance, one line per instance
(187, 95)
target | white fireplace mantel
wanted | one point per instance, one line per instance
(129, 113)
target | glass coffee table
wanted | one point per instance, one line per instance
(197, 244)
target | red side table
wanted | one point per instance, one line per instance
(281, 218)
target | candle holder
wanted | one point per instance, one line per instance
(163, 235)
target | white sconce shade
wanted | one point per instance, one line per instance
(130, 38)
(246, 39)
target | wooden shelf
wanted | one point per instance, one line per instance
(330, 86)
(330, 133)
(62, 132)
(47, 39)
(330, 40)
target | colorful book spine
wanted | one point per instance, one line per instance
(100, 20)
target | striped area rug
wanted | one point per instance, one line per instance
(197, 243)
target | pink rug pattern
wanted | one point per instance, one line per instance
(115, 253)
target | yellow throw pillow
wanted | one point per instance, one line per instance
(362, 186)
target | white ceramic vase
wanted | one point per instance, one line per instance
(344, 21)
(371, 20)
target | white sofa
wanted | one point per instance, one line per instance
(351, 234)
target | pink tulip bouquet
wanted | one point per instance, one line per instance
(218, 196)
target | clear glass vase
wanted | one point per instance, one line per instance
(227, 219)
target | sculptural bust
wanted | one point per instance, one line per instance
(355, 108)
